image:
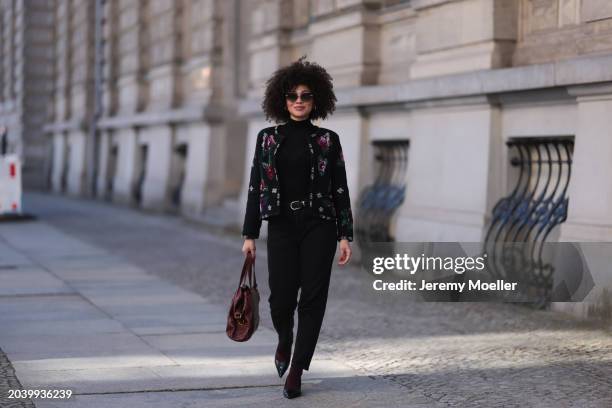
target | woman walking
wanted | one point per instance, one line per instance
(298, 184)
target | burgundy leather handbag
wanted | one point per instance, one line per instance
(243, 316)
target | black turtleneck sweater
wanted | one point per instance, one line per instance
(293, 161)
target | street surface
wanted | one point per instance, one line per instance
(127, 308)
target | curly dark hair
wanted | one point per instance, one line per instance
(287, 78)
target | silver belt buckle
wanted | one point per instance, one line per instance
(298, 202)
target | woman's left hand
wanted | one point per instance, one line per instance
(345, 252)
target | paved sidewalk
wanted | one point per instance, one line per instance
(75, 316)
(127, 307)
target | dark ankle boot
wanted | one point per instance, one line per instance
(293, 383)
(281, 360)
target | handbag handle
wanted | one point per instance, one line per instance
(248, 271)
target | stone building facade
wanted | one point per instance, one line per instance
(26, 58)
(165, 114)
(467, 98)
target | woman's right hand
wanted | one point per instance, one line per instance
(249, 246)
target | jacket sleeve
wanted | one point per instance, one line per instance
(340, 194)
(252, 215)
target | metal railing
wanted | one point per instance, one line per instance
(524, 220)
(378, 202)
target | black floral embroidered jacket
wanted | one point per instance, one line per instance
(328, 193)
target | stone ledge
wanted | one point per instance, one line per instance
(423, 4)
(65, 126)
(209, 113)
(575, 71)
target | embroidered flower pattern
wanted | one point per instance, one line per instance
(269, 171)
(328, 195)
(324, 142)
(268, 141)
(322, 165)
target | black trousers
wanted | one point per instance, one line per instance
(301, 250)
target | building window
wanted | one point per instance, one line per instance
(379, 201)
(529, 215)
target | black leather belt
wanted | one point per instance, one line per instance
(296, 207)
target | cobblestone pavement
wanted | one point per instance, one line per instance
(8, 381)
(465, 354)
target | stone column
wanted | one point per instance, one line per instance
(271, 21)
(61, 97)
(214, 56)
(11, 26)
(80, 87)
(132, 55)
(199, 82)
(353, 24)
(164, 51)
(463, 35)
(590, 189)
(126, 89)
(589, 217)
(37, 70)
(5, 52)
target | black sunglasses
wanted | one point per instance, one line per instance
(304, 96)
